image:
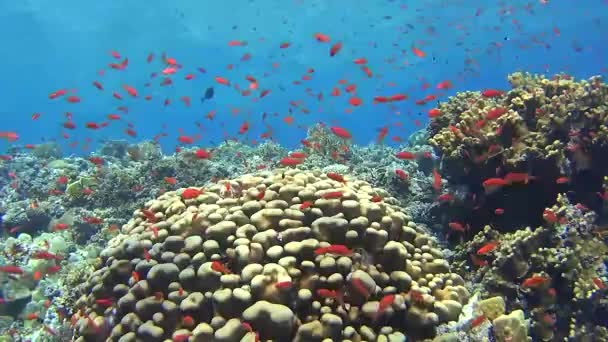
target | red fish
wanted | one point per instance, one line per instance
(341, 132)
(599, 283)
(433, 113)
(384, 304)
(436, 180)
(487, 248)
(445, 197)
(219, 267)
(202, 154)
(335, 176)
(534, 281)
(418, 52)
(405, 155)
(550, 216)
(305, 205)
(57, 94)
(492, 184)
(283, 285)
(11, 269)
(491, 93)
(360, 287)
(444, 85)
(289, 161)
(244, 128)
(60, 226)
(355, 101)
(518, 177)
(320, 37)
(334, 249)
(104, 302)
(222, 81)
(457, 226)
(477, 321)
(191, 193)
(332, 195)
(495, 113)
(46, 256)
(335, 49)
(401, 174)
(184, 139)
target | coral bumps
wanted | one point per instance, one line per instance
(284, 255)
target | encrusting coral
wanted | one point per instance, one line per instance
(282, 255)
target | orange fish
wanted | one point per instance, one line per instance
(335, 49)
(487, 248)
(418, 52)
(334, 249)
(219, 267)
(436, 180)
(534, 281)
(191, 193)
(320, 37)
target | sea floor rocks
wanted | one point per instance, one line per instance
(284, 255)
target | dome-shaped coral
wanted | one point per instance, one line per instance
(284, 255)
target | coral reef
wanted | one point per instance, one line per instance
(551, 130)
(284, 255)
(555, 272)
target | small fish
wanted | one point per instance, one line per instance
(11, 269)
(104, 302)
(405, 155)
(289, 161)
(457, 226)
(305, 205)
(477, 321)
(208, 95)
(219, 267)
(384, 304)
(487, 248)
(332, 195)
(401, 174)
(334, 249)
(447, 197)
(599, 283)
(335, 176)
(436, 180)
(46, 256)
(340, 132)
(534, 281)
(283, 285)
(549, 216)
(491, 93)
(191, 193)
(335, 49)
(202, 154)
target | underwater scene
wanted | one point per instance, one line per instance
(304, 170)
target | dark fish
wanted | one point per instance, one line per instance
(208, 94)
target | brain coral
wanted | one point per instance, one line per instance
(284, 255)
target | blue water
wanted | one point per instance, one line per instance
(50, 45)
